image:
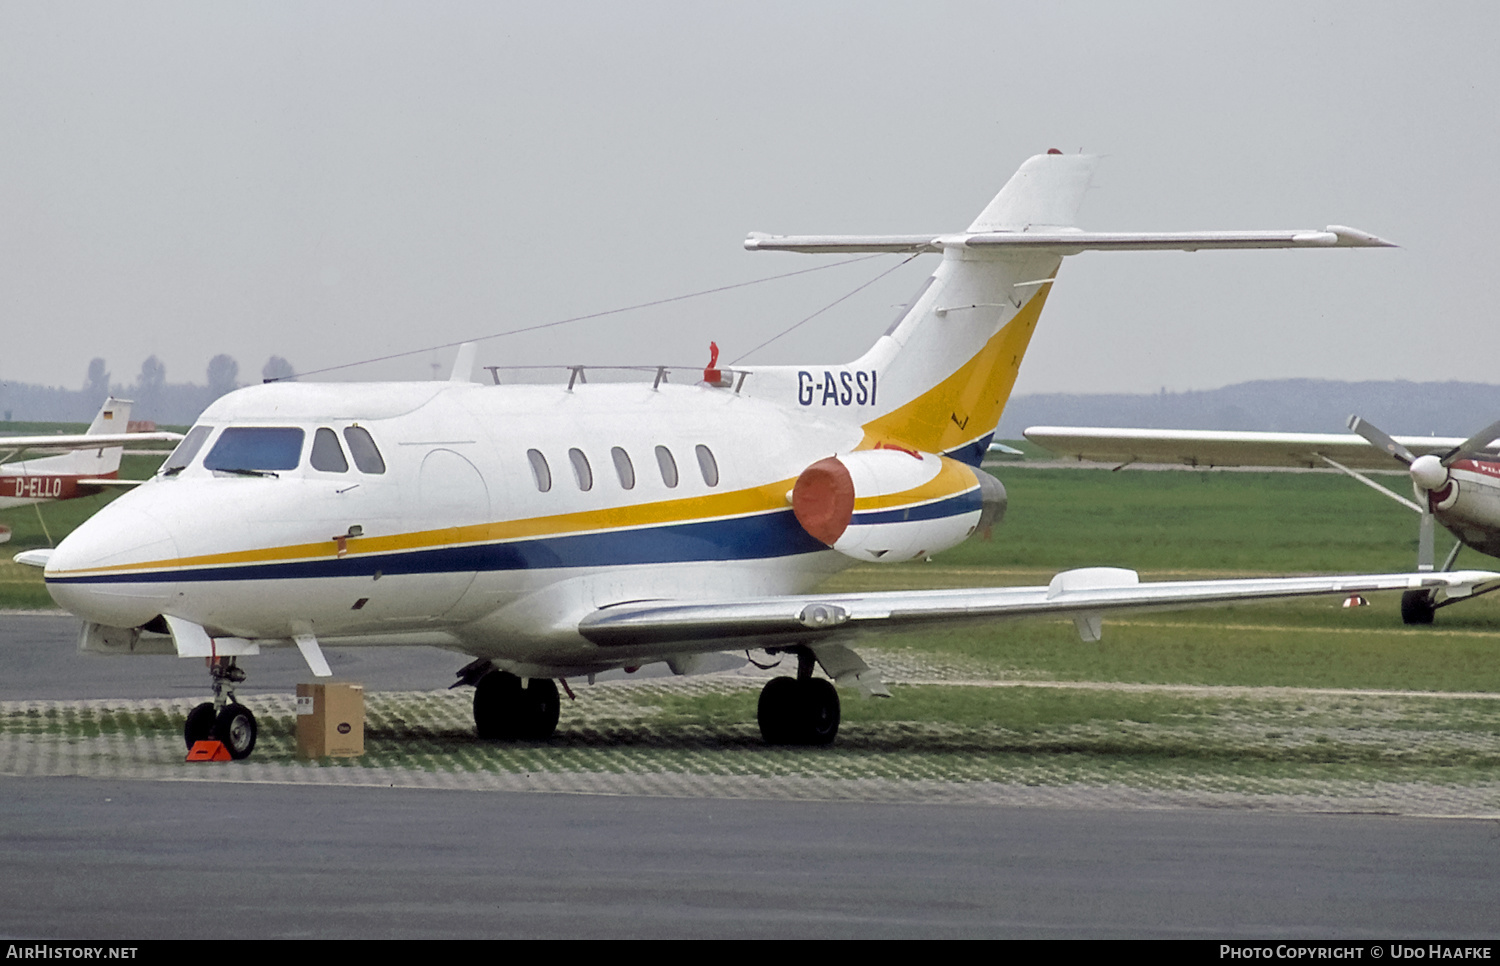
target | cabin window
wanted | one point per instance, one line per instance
(327, 454)
(186, 450)
(581, 470)
(362, 447)
(707, 465)
(667, 465)
(256, 448)
(623, 467)
(540, 471)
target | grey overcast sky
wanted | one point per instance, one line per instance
(331, 181)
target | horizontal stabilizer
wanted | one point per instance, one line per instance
(832, 244)
(1069, 242)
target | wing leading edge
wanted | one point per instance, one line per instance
(1225, 448)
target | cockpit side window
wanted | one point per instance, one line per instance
(251, 448)
(362, 447)
(186, 450)
(327, 455)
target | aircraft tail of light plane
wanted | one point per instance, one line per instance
(552, 532)
(88, 461)
(1456, 482)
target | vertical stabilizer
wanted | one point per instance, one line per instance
(939, 379)
(113, 417)
(1046, 191)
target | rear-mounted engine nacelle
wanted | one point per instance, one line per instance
(887, 505)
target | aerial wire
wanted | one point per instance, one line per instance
(825, 308)
(617, 311)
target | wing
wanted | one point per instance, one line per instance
(1214, 448)
(76, 441)
(826, 622)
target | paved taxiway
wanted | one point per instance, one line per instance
(115, 860)
(84, 858)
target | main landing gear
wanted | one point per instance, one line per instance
(1417, 607)
(508, 710)
(803, 710)
(223, 719)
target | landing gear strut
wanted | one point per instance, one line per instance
(223, 719)
(506, 710)
(803, 710)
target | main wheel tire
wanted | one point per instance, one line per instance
(200, 724)
(1417, 607)
(819, 711)
(542, 707)
(776, 711)
(497, 700)
(235, 727)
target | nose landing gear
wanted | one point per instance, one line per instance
(223, 719)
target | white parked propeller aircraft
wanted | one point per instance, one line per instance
(552, 532)
(1456, 481)
(85, 463)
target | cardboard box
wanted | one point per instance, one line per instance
(330, 720)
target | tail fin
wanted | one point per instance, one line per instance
(939, 379)
(112, 419)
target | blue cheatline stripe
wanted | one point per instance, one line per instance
(757, 537)
(973, 453)
(948, 507)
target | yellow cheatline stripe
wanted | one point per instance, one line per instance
(976, 394)
(952, 478)
(758, 499)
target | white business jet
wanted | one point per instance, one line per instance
(85, 463)
(554, 532)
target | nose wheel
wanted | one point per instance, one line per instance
(223, 719)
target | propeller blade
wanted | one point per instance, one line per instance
(1424, 544)
(1380, 440)
(1474, 444)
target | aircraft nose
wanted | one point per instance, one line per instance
(97, 573)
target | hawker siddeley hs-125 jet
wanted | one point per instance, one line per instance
(85, 463)
(1456, 481)
(554, 532)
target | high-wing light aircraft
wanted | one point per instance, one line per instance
(554, 532)
(1456, 481)
(86, 462)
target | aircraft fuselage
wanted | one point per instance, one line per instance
(496, 517)
(1469, 507)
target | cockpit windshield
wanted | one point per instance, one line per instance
(256, 449)
(186, 451)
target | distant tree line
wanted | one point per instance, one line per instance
(1279, 405)
(166, 403)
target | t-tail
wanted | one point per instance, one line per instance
(939, 378)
